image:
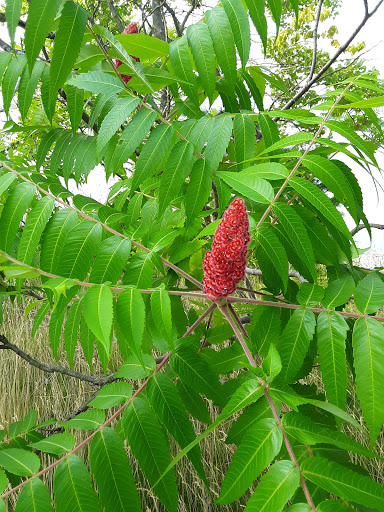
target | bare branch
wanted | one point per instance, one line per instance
(291, 273)
(5, 46)
(182, 26)
(363, 226)
(175, 20)
(339, 51)
(22, 24)
(115, 15)
(314, 56)
(6, 345)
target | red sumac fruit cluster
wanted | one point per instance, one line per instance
(131, 29)
(224, 265)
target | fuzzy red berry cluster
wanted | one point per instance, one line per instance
(131, 29)
(224, 264)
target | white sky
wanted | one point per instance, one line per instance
(351, 14)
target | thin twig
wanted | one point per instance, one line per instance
(363, 226)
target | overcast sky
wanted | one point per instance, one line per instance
(351, 13)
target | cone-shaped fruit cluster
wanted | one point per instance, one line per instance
(131, 29)
(224, 264)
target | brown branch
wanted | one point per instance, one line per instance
(339, 51)
(314, 55)
(115, 15)
(362, 226)
(7, 345)
(291, 273)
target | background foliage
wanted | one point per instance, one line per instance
(196, 124)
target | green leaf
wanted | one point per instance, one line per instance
(112, 394)
(270, 133)
(181, 62)
(6, 181)
(291, 140)
(333, 178)
(73, 488)
(97, 83)
(29, 421)
(71, 330)
(267, 171)
(27, 87)
(34, 226)
(275, 253)
(131, 318)
(331, 334)
(152, 154)
(218, 140)
(223, 43)
(98, 313)
(132, 136)
(34, 496)
(257, 189)
(144, 46)
(199, 188)
(272, 363)
(257, 449)
(297, 234)
(257, 14)
(352, 136)
(275, 488)
(176, 170)
(339, 291)
(238, 18)
(67, 45)
(265, 328)
(112, 473)
(310, 294)
(10, 79)
(368, 355)
(275, 7)
(40, 18)
(13, 212)
(245, 139)
(112, 256)
(343, 482)
(19, 462)
(369, 295)
(88, 420)
(114, 119)
(167, 404)
(193, 402)
(294, 342)
(322, 203)
(134, 369)
(55, 233)
(247, 419)
(195, 371)
(161, 313)
(56, 444)
(75, 104)
(249, 392)
(80, 248)
(333, 506)
(200, 43)
(307, 431)
(140, 271)
(12, 15)
(150, 447)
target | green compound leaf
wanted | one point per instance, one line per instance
(369, 296)
(56, 444)
(19, 462)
